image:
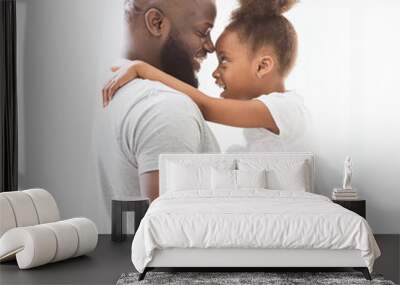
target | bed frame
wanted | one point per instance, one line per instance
(247, 259)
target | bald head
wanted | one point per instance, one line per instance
(169, 7)
(179, 12)
(153, 24)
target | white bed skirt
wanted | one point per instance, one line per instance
(192, 257)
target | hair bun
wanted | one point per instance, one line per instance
(262, 8)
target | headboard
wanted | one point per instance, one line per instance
(235, 161)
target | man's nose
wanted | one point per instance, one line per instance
(215, 74)
(208, 45)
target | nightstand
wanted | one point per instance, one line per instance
(138, 205)
(357, 206)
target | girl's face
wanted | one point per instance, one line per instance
(236, 70)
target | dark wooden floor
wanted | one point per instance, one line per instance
(102, 266)
(110, 260)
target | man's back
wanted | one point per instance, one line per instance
(145, 119)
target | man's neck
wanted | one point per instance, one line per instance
(129, 55)
(146, 57)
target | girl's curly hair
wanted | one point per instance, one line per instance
(260, 23)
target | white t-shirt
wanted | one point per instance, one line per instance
(293, 120)
(145, 119)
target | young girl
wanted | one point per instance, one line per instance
(256, 52)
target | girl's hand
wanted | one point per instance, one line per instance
(123, 74)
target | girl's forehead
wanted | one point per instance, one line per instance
(225, 40)
(229, 41)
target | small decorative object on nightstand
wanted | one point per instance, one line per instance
(139, 205)
(348, 173)
(357, 206)
(347, 192)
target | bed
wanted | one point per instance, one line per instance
(245, 211)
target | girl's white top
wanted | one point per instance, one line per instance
(293, 120)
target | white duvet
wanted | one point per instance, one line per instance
(250, 219)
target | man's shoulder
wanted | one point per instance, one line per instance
(168, 94)
(163, 97)
(155, 88)
(142, 94)
(145, 99)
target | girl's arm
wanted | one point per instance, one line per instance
(236, 113)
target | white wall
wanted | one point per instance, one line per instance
(58, 45)
(346, 71)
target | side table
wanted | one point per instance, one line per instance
(139, 205)
(357, 206)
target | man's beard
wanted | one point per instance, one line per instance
(176, 61)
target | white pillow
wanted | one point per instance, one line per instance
(293, 178)
(282, 174)
(185, 177)
(223, 179)
(251, 178)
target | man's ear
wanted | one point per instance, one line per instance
(156, 23)
(265, 63)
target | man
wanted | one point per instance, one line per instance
(147, 118)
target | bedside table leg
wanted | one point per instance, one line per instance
(116, 221)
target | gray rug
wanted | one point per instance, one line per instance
(243, 278)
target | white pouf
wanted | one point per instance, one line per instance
(31, 233)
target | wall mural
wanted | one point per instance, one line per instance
(158, 107)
